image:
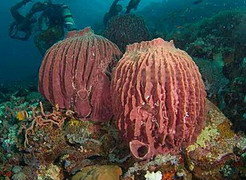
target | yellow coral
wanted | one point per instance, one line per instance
(206, 135)
(49, 172)
(74, 122)
(225, 130)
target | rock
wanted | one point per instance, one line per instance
(105, 172)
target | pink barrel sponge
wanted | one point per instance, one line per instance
(74, 74)
(158, 98)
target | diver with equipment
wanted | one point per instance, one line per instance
(21, 28)
(114, 10)
(133, 4)
(54, 14)
(50, 25)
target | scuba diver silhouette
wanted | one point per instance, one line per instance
(133, 4)
(21, 28)
(53, 21)
(50, 24)
(54, 14)
(114, 10)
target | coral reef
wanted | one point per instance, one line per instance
(74, 74)
(215, 147)
(163, 128)
(215, 33)
(126, 29)
(159, 98)
(218, 153)
(88, 149)
(16, 100)
(75, 144)
(49, 172)
(41, 147)
(233, 95)
(213, 77)
(217, 44)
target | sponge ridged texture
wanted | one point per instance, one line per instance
(74, 71)
(158, 98)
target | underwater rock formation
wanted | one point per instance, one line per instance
(217, 44)
(79, 149)
(217, 149)
(218, 153)
(221, 31)
(126, 29)
(213, 77)
(74, 74)
(105, 172)
(159, 98)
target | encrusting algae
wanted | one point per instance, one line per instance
(224, 129)
(206, 136)
(215, 146)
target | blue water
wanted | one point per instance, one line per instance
(20, 60)
(212, 32)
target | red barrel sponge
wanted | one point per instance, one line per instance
(158, 98)
(73, 74)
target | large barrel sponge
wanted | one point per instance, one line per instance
(159, 98)
(73, 74)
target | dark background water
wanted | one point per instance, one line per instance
(20, 60)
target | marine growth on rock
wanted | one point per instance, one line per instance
(159, 98)
(74, 74)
